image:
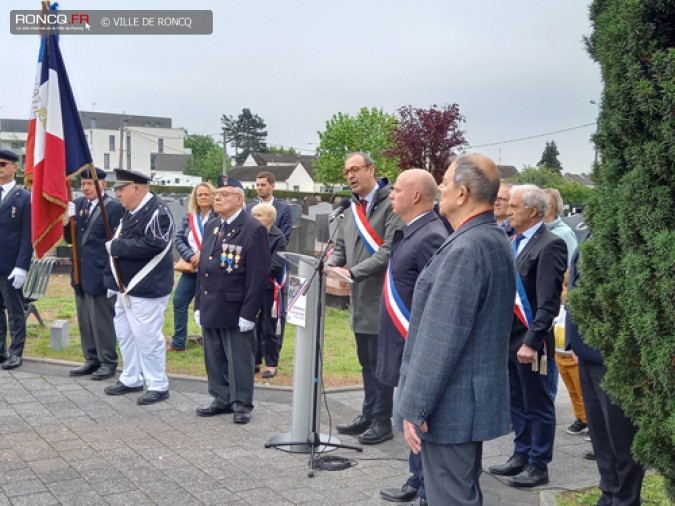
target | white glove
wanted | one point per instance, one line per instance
(111, 293)
(245, 325)
(108, 247)
(197, 319)
(18, 276)
(71, 210)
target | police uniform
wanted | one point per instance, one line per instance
(95, 311)
(15, 257)
(142, 247)
(233, 272)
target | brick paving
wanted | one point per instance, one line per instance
(63, 441)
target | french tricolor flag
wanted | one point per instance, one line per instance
(59, 147)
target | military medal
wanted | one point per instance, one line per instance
(223, 255)
(237, 256)
(230, 257)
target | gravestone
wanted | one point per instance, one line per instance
(321, 208)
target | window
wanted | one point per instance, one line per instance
(106, 161)
(177, 180)
(296, 188)
(92, 123)
(160, 145)
(111, 143)
(128, 161)
(153, 161)
(125, 123)
(128, 142)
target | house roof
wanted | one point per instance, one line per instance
(271, 159)
(506, 171)
(169, 162)
(582, 178)
(248, 174)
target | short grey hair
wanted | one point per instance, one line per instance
(533, 196)
(558, 205)
(478, 183)
(366, 157)
(268, 210)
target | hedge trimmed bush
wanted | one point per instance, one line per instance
(626, 302)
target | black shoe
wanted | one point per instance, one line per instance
(403, 494)
(83, 370)
(12, 362)
(242, 417)
(514, 466)
(151, 397)
(577, 427)
(378, 432)
(418, 501)
(104, 372)
(532, 476)
(356, 426)
(120, 388)
(213, 410)
(589, 455)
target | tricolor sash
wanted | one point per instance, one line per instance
(522, 308)
(396, 309)
(369, 237)
(197, 229)
(277, 303)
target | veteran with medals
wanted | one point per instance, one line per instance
(232, 278)
(142, 247)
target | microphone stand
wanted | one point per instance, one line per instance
(314, 439)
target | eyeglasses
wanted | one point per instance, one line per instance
(219, 195)
(353, 170)
(502, 200)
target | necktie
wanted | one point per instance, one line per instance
(516, 242)
(364, 206)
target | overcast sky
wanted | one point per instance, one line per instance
(516, 69)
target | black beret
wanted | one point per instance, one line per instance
(228, 181)
(124, 177)
(8, 154)
(86, 173)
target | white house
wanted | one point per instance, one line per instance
(291, 172)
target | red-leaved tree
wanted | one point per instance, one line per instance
(426, 138)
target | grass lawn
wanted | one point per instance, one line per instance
(653, 493)
(341, 366)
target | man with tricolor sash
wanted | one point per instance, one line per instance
(361, 253)
(412, 199)
(541, 261)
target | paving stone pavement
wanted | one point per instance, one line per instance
(63, 441)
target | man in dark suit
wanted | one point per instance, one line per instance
(541, 261)
(264, 184)
(15, 256)
(412, 199)
(95, 311)
(233, 273)
(620, 474)
(453, 391)
(142, 247)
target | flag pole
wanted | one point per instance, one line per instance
(73, 236)
(106, 225)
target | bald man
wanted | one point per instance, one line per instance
(453, 393)
(412, 199)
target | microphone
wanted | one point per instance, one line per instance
(338, 212)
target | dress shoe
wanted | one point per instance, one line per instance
(120, 388)
(104, 372)
(356, 426)
(403, 494)
(12, 362)
(378, 432)
(83, 370)
(269, 374)
(588, 455)
(213, 410)
(531, 476)
(151, 397)
(171, 348)
(241, 417)
(418, 501)
(515, 465)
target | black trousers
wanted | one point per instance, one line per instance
(611, 436)
(378, 398)
(12, 305)
(95, 314)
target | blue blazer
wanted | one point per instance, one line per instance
(15, 230)
(454, 373)
(136, 246)
(284, 219)
(411, 248)
(221, 296)
(92, 255)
